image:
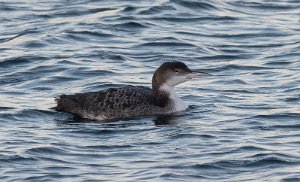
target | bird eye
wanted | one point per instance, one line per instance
(176, 70)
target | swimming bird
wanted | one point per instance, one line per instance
(132, 101)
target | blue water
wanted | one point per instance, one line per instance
(243, 123)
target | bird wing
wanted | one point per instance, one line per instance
(110, 103)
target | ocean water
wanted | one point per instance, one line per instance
(243, 123)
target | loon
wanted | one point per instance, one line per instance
(132, 101)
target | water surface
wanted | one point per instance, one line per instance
(242, 124)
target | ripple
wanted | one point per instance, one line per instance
(90, 33)
(27, 114)
(166, 44)
(156, 10)
(265, 6)
(255, 163)
(240, 67)
(81, 12)
(290, 126)
(19, 34)
(6, 63)
(195, 5)
(249, 148)
(293, 99)
(201, 19)
(291, 179)
(46, 150)
(242, 123)
(130, 25)
(110, 147)
(280, 116)
(191, 136)
(5, 108)
(17, 159)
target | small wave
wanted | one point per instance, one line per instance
(130, 25)
(6, 108)
(195, 5)
(239, 91)
(188, 20)
(17, 159)
(166, 44)
(34, 44)
(28, 114)
(254, 163)
(156, 10)
(238, 67)
(89, 132)
(8, 8)
(130, 9)
(191, 136)
(90, 33)
(86, 73)
(19, 34)
(109, 147)
(206, 167)
(234, 81)
(251, 35)
(255, 107)
(77, 37)
(278, 63)
(18, 61)
(293, 99)
(223, 57)
(268, 161)
(58, 79)
(264, 6)
(72, 12)
(289, 126)
(291, 179)
(46, 150)
(248, 148)
(283, 116)
(168, 176)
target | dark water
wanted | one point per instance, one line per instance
(243, 123)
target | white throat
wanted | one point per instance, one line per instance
(178, 104)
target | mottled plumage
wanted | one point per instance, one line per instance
(113, 103)
(132, 101)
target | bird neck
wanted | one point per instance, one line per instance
(168, 90)
(168, 98)
(160, 92)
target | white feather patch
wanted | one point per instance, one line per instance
(179, 105)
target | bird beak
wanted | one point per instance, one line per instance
(197, 75)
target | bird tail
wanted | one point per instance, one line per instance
(59, 106)
(65, 103)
